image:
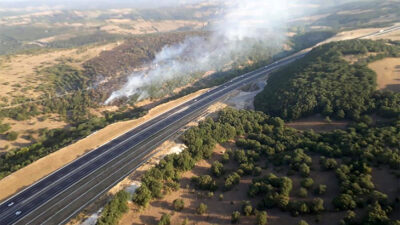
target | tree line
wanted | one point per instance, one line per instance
(323, 82)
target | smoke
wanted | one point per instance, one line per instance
(241, 27)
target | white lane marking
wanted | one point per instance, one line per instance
(203, 95)
(91, 160)
(118, 180)
(146, 152)
(196, 103)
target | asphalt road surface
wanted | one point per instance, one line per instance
(64, 193)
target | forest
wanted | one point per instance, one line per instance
(323, 82)
(76, 97)
(263, 142)
(135, 52)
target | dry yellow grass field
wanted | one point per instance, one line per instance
(28, 128)
(388, 73)
(347, 35)
(126, 26)
(18, 75)
(42, 167)
(18, 78)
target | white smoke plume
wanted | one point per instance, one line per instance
(239, 26)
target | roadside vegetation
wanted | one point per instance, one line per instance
(52, 140)
(114, 209)
(284, 164)
(263, 142)
(304, 40)
(324, 82)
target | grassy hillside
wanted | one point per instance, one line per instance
(52, 28)
(359, 14)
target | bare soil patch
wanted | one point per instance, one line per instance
(317, 123)
(244, 98)
(386, 182)
(44, 166)
(388, 73)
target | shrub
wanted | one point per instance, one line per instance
(317, 205)
(225, 157)
(186, 221)
(205, 182)
(165, 219)
(114, 209)
(304, 170)
(344, 201)
(235, 217)
(247, 209)
(4, 128)
(217, 169)
(303, 193)
(320, 190)
(302, 222)
(328, 163)
(231, 180)
(240, 156)
(178, 204)
(142, 196)
(307, 183)
(12, 136)
(257, 171)
(262, 218)
(350, 217)
(376, 215)
(201, 209)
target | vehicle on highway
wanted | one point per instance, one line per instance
(18, 212)
(10, 204)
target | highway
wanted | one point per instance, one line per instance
(381, 32)
(63, 194)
